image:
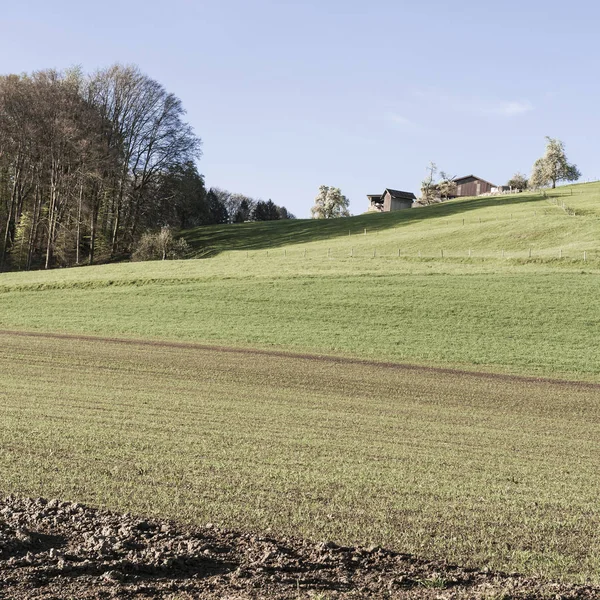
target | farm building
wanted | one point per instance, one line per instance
(472, 186)
(391, 200)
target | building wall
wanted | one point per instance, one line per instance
(471, 186)
(401, 204)
(390, 204)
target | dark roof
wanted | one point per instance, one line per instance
(457, 179)
(400, 195)
(374, 196)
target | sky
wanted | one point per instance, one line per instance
(361, 95)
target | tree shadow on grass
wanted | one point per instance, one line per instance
(211, 240)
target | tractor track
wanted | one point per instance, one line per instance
(323, 358)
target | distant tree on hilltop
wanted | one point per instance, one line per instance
(217, 213)
(518, 182)
(432, 192)
(330, 203)
(447, 186)
(266, 211)
(553, 166)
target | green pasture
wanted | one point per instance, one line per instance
(560, 223)
(483, 472)
(295, 285)
(546, 324)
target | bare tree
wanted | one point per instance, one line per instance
(83, 161)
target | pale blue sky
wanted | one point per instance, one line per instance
(361, 95)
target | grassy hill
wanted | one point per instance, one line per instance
(294, 284)
(564, 219)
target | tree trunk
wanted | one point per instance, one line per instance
(52, 214)
(37, 209)
(78, 229)
(10, 218)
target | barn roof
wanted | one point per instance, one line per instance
(400, 195)
(457, 179)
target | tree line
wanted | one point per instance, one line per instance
(228, 207)
(88, 163)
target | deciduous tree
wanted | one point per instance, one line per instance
(518, 182)
(553, 166)
(330, 203)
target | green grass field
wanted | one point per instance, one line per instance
(297, 287)
(494, 472)
(482, 472)
(487, 226)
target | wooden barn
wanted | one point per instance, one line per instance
(472, 186)
(391, 200)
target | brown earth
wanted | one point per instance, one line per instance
(60, 550)
(305, 356)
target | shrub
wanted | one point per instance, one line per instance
(160, 245)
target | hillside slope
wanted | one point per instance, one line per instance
(310, 286)
(566, 219)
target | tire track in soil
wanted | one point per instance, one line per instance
(325, 358)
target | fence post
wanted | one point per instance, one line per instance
(351, 252)
(374, 252)
(502, 253)
(529, 252)
(560, 253)
(469, 252)
(304, 252)
(584, 256)
(398, 252)
(419, 254)
(328, 252)
(365, 231)
(463, 221)
(442, 253)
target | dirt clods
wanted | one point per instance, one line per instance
(61, 550)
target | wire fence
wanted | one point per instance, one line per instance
(388, 252)
(391, 250)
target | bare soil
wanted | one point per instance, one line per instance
(61, 550)
(306, 356)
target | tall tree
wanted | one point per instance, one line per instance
(216, 209)
(330, 203)
(553, 166)
(89, 163)
(266, 211)
(148, 133)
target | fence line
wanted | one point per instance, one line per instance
(389, 252)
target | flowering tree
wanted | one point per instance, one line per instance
(330, 203)
(553, 166)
